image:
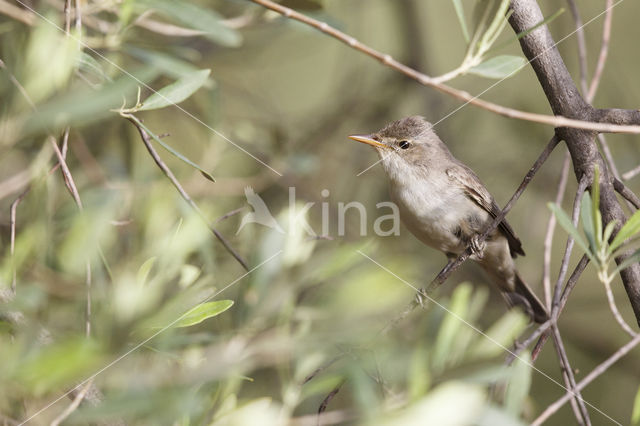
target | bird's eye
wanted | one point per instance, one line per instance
(404, 144)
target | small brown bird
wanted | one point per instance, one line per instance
(444, 204)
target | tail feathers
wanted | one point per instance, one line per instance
(525, 298)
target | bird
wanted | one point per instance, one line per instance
(260, 213)
(444, 204)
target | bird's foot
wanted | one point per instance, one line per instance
(477, 246)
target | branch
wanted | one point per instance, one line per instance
(580, 409)
(74, 404)
(169, 174)
(551, 226)
(555, 121)
(551, 409)
(628, 194)
(564, 99)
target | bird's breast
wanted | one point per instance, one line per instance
(433, 211)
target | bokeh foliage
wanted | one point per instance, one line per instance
(287, 96)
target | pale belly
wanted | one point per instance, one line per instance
(435, 217)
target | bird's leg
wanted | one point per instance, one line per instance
(477, 246)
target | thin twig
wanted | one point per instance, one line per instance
(601, 368)
(387, 60)
(582, 46)
(604, 50)
(228, 215)
(580, 409)
(628, 194)
(520, 346)
(572, 281)
(582, 186)
(631, 173)
(327, 400)
(616, 312)
(551, 226)
(12, 224)
(74, 404)
(66, 173)
(169, 174)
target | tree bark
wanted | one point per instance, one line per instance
(565, 99)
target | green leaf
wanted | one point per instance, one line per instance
(628, 230)
(566, 223)
(519, 384)
(501, 334)
(530, 30)
(143, 272)
(196, 17)
(608, 230)
(88, 64)
(58, 365)
(587, 221)
(203, 311)
(85, 105)
(176, 92)
(457, 4)
(171, 150)
(635, 257)
(168, 64)
(450, 327)
(501, 66)
(635, 415)
(595, 205)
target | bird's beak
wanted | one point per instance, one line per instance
(368, 140)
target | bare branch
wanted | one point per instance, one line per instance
(602, 125)
(551, 226)
(616, 312)
(595, 373)
(604, 50)
(582, 186)
(628, 194)
(565, 99)
(169, 174)
(74, 404)
(631, 173)
(579, 408)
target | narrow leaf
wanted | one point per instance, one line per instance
(587, 221)
(635, 415)
(608, 231)
(565, 222)
(595, 205)
(501, 334)
(457, 4)
(635, 257)
(502, 66)
(171, 150)
(630, 229)
(143, 272)
(519, 384)
(176, 92)
(530, 30)
(168, 64)
(204, 311)
(198, 18)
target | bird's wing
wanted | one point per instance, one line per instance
(476, 191)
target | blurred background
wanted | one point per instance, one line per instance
(283, 95)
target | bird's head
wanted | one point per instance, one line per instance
(406, 144)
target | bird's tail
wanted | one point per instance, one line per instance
(525, 298)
